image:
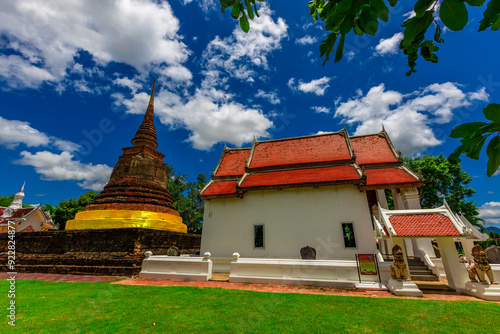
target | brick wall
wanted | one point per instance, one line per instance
(97, 252)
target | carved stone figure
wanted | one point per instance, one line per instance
(308, 253)
(173, 251)
(480, 267)
(399, 270)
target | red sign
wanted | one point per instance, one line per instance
(367, 264)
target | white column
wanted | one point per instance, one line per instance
(467, 246)
(410, 198)
(381, 199)
(456, 274)
(409, 247)
(398, 200)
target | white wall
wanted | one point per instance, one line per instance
(36, 220)
(292, 219)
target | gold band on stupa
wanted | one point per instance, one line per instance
(106, 219)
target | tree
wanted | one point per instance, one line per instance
(445, 180)
(185, 197)
(66, 210)
(363, 16)
(6, 200)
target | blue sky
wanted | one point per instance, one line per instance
(75, 78)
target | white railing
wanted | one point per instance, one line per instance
(177, 267)
(428, 262)
(343, 273)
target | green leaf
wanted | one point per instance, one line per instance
(466, 129)
(454, 14)
(491, 15)
(437, 34)
(367, 22)
(421, 7)
(492, 112)
(249, 9)
(393, 2)
(357, 30)
(474, 150)
(455, 156)
(244, 24)
(496, 25)
(380, 9)
(340, 49)
(488, 128)
(347, 25)
(493, 153)
(416, 26)
(235, 12)
(475, 3)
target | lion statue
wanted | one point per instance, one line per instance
(480, 267)
(399, 271)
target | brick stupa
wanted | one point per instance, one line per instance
(136, 195)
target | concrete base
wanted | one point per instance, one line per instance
(177, 268)
(370, 286)
(291, 281)
(483, 291)
(404, 288)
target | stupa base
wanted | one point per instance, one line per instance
(112, 219)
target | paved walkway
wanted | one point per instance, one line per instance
(62, 278)
(428, 294)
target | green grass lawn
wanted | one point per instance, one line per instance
(58, 307)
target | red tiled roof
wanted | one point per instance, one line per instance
(424, 225)
(306, 150)
(19, 213)
(220, 188)
(372, 149)
(385, 176)
(233, 163)
(301, 176)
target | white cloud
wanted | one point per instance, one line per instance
(407, 118)
(239, 54)
(490, 212)
(317, 86)
(306, 40)
(271, 97)
(389, 45)
(209, 116)
(46, 36)
(62, 167)
(14, 132)
(320, 110)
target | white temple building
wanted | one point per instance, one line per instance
(30, 219)
(269, 204)
(325, 191)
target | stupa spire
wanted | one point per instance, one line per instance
(146, 134)
(17, 203)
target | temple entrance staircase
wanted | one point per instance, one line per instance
(419, 271)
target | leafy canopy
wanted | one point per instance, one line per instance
(445, 180)
(185, 197)
(363, 16)
(66, 210)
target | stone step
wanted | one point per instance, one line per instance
(424, 278)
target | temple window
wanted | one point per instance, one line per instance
(348, 233)
(258, 232)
